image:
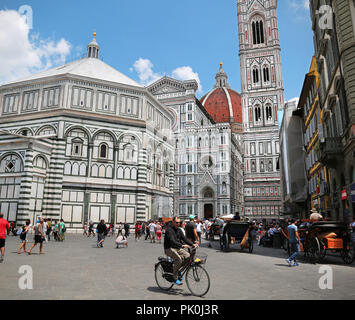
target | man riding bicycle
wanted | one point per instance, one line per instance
(174, 247)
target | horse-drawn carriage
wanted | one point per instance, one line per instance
(213, 230)
(236, 232)
(322, 237)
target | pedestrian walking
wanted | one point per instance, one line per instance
(152, 229)
(85, 228)
(61, 230)
(23, 237)
(55, 230)
(294, 240)
(158, 231)
(199, 230)
(39, 237)
(4, 230)
(190, 230)
(126, 229)
(91, 229)
(45, 228)
(138, 231)
(101, 231)
(147, 235)
(49, 230)
(112, 229)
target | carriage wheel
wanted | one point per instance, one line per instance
(226, 242)
(315, 250)
(348, 255)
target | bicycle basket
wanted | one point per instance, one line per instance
(200, 258)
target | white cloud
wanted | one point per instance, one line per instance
(186, 73)
(22, 53)
(299, 4)
(144, 68)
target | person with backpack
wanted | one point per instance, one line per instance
(55, 231)
(101, 233)
(61, 230)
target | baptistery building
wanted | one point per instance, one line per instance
(84, 142)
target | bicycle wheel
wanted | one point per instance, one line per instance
(198, 280)
(161, 278)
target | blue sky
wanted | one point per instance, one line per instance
(147, 39)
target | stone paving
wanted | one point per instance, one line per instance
(77, 269)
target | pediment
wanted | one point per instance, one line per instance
(207, 179)
(167, 89)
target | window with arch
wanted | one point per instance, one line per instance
(77, 143)
(40, 162)
(258, 32)
(11, 164)
(268, 111)
(266, 73)
(255, 75)
(103, 151)
(208, 193)
(189, 188)
(77, 147)
(257, 111)
(224, 188)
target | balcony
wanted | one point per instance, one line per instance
(330, 151)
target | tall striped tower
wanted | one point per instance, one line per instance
(262, 97)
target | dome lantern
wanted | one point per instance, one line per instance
(93, 48)
(221, 78)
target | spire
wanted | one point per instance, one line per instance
(93, 48)
(221, 78)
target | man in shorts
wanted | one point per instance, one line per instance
(39, 237)
(4, 229)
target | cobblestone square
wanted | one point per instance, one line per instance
(77, 269)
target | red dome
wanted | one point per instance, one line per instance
(223, 104)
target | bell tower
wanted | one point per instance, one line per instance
(262, 98)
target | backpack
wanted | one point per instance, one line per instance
(64, 229)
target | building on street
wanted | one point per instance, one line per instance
(334, 40)
(84, 142)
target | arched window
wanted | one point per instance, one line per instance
(268, 111)
(255, 75)
(103, 150)
(257, 113)
(189, 188)
(224, 188)
(11, 164)
(266, 74)
(258, 32)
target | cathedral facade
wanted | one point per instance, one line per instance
(84, 142)
(262, 97)
(208, 159)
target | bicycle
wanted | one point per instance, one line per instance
(196, 275)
